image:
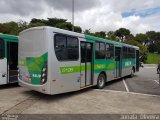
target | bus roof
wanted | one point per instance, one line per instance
(8, 37)
(57, 30)
(111, 41)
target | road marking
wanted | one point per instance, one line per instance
(125, 85)
(156, 82)
(132, 93)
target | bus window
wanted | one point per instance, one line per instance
(124, 52)
(89, 52)
(1, 49)
(109, 51)
(72, 48)
(131, 53)
(112, 51)
(66, 48)
(83, 52)
(60, 47)
(100, 50)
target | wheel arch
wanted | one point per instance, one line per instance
(105, 74)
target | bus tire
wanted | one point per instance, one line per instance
(101, 81)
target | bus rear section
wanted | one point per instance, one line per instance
(33, 60)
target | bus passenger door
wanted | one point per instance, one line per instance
(137, 60)
(118, 63)
(86, 71)
(12, 57)
(3, 64)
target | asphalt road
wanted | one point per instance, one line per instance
(146, 81)
(139, 94)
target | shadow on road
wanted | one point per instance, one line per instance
(51, 98)
(9, 86)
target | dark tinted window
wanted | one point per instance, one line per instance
(112, 51)
(89, 52)
(1, 48)
(60, 47)
(109, 51)
(72, 48)
(100, 50)
(66, 48)
(72, 42)
(83, 52)
(60, 42)
(12, 55)
(125, 52)
(131, 52)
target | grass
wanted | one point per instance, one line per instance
(153, 58)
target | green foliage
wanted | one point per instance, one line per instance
(143, 49)
(9, 28)
(153, 58)
(111, 35)
(22, 25)
(101, 34)
(36, 24)
(153, 41)
(122, 33)
(14, 28)
(141, 38)
(150, 41)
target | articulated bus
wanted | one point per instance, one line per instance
(54, 61)
(8, 59)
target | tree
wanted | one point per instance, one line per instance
(87, 31)
(153, 41)
(122, 33)
(36, 24)
(54, 22)
(111, 35)
(9, 28)
(130, 37)
(143, 49)
(141, 38)
(22, 25)
(100, 34)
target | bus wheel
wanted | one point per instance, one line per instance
(132, 73)
(101, 81)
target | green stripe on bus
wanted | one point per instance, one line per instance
(97, 67)
(73, 69)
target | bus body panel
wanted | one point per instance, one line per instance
(33, 57)
(64, 76)
(3, 71)
(127, 65)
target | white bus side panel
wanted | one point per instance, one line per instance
(60, 82)
(3, 71)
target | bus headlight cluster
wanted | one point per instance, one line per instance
(44, 75)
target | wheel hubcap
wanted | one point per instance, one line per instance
(101, 81)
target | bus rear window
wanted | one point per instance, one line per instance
(1, 48)
(66, 48)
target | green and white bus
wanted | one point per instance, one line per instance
(54, 61)
(8, 59)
